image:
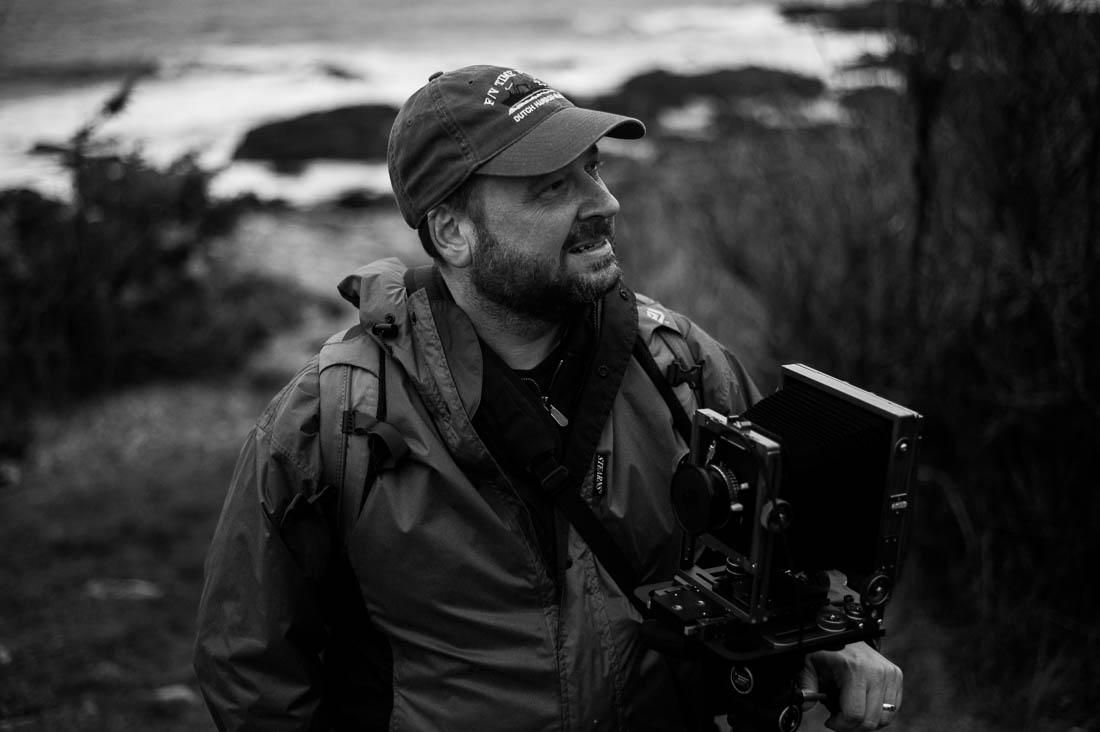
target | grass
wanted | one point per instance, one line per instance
(106, 529)
(122, 488)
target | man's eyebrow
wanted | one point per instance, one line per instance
(593, 151)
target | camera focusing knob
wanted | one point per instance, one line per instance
(732, 484)
(705, 497)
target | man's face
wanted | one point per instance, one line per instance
(545, 244)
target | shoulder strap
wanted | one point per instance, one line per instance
(355, 442)
(680, 419)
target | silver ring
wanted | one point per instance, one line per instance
(888, 707)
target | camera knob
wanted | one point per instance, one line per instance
(776, 516)
(831, 619)
(876, 589)
(789, 719)
(855, 611)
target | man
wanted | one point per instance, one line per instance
(475, 604)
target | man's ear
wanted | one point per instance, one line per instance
(452, 233)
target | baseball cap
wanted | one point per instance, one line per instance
(492, 120)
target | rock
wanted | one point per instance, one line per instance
(358, 132)
(175, 694)
(122, 589)
(647, 95)
(875, 15)
(362, 199)
(108, 672)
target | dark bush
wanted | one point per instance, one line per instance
(120, 285)
(1006, 99)
(82, 283)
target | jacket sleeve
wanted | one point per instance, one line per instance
(260, 626)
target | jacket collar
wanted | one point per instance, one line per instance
(437, 346)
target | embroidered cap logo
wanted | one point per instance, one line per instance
(521, 93)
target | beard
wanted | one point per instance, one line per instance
(544, 288)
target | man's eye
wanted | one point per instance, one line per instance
(594, 168)
(553, 186)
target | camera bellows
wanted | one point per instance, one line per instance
(835, 460)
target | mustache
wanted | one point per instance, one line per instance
(590, 230)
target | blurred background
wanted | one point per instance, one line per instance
(902, 193)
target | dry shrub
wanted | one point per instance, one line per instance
(941, 249)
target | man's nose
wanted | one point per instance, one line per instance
(598, 201)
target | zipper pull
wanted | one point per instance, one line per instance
(555, 413)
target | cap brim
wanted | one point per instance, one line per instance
(560, 139)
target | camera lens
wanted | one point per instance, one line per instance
(703, 497)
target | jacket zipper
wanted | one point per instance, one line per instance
(556, 414)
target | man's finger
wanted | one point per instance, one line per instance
(809, 685)
(891, 696)
(849, 714)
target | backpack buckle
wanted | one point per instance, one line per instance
(693, 376)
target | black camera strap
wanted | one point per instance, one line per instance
(554, 479)
(524, 439)
(551, 462)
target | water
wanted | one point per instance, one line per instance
(214, 68)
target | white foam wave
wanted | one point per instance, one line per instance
(205, 98)
(316, 183)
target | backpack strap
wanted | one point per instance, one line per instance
(425, 276)
(659, 325)
(680, 419)
(355, 445)
(355, 442)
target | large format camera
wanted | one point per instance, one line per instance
(794, 516)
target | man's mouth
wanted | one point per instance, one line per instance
(588, 245)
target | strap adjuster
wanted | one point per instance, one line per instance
(551, 474)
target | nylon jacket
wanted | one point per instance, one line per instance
(444, 557)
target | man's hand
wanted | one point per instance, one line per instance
(863, 687)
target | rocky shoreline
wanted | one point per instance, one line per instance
(676, 108)
(359, 132)
(732, 96)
